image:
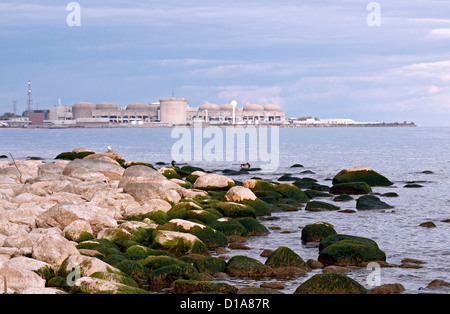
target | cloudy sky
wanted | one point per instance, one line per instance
(313, 58)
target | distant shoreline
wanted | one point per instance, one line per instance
(355, 125)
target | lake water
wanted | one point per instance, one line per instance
(401, 154)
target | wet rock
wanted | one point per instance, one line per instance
(179, 243)
(273, 285)
(234, 210)
(266, 253)
(285, 257)
(210, 265)
(438, 284)
(347, 211)
(244, 266)
(191, 286)
(345, 250)
(361, 174)
(238, 246)
(317, 232)
(413, 185)
(393, 288)
(229, 227)
(330, 284)
(313, 264)
(170, 273)
(337, 269)
(291, 191)
(351, 188)
(320, 206)
(253, 226)
(343, 198)
(428, 224)
(367, 202)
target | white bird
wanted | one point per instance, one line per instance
(109, 148)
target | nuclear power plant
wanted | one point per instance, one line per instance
(169, 111)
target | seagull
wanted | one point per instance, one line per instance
(109, 148)
(245, 166)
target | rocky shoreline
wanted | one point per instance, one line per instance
(93, 223)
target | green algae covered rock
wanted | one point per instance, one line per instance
(253, 226)
(155, 262)
(285, 257)
(317, 232)
(316, 206)
(191, 286)
(244, 266)
(74, 155)
(204, 216)
(179, 243)
(134, 269)
(261, 208)
(229, 227)
(330, 284)
(234, 210)
(168, 274)
(291, 191)
(366, 202)
(344, 250)
(209, 236)
(210, 265)
(351, 188)
(361, 174)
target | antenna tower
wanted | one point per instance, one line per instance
(29, 98)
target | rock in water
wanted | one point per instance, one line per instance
(330, 284)
(361, 174)
(371, 202)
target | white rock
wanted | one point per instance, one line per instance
(239, 194)
(74, 230)
(42, 291)
(53, 250)
(212, 180)
(19, 279)
(151, 206)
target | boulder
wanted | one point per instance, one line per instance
(366, 202)
(239, 194)
(190, 286)
(170, 273)
(285, 257)
(179, 243)
(88, 168)
(210, 237)
(213, 181)
(244, 266)
(315, 206)
(317, 232)
(140, 174)
(291, 191)
(330, 283)
(86, 266)
(392, 288)
(63, 214)
(18, 279)
(53, 249)
(144, 192)
(234, 210)
(153, 205)
(210, 265)
(253, 226)
(50, 168)
(351, 188)
(229, 227)
(78, 231)
(361, 174)
(92, 285)
(344, 250)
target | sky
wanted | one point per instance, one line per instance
(318, 58)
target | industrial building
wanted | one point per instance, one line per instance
(170, 111)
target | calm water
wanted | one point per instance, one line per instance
(401, 154)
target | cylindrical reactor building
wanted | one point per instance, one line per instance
(173, 110)
(83, 110)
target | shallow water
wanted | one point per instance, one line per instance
(401, 154)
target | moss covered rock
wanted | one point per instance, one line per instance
(134, 269)
(253, 226)
(192, 286)
(75, 154)
(343, 198)
(209, 236)
(168, 274)
(179, 243)
(259, 185)
(343, 250)
(361, 174)
(244, 266)
(285, 257)
(330, 284)
(155, 262)
(366, 202)
(351, 188)
(316, 206)
(180, 210)
(210, 265)
(91, 285)
(229, 227)
(204, 216)
(169, 173)
(234, 210)
(261, 208)
(317, 232)
(291, 191)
